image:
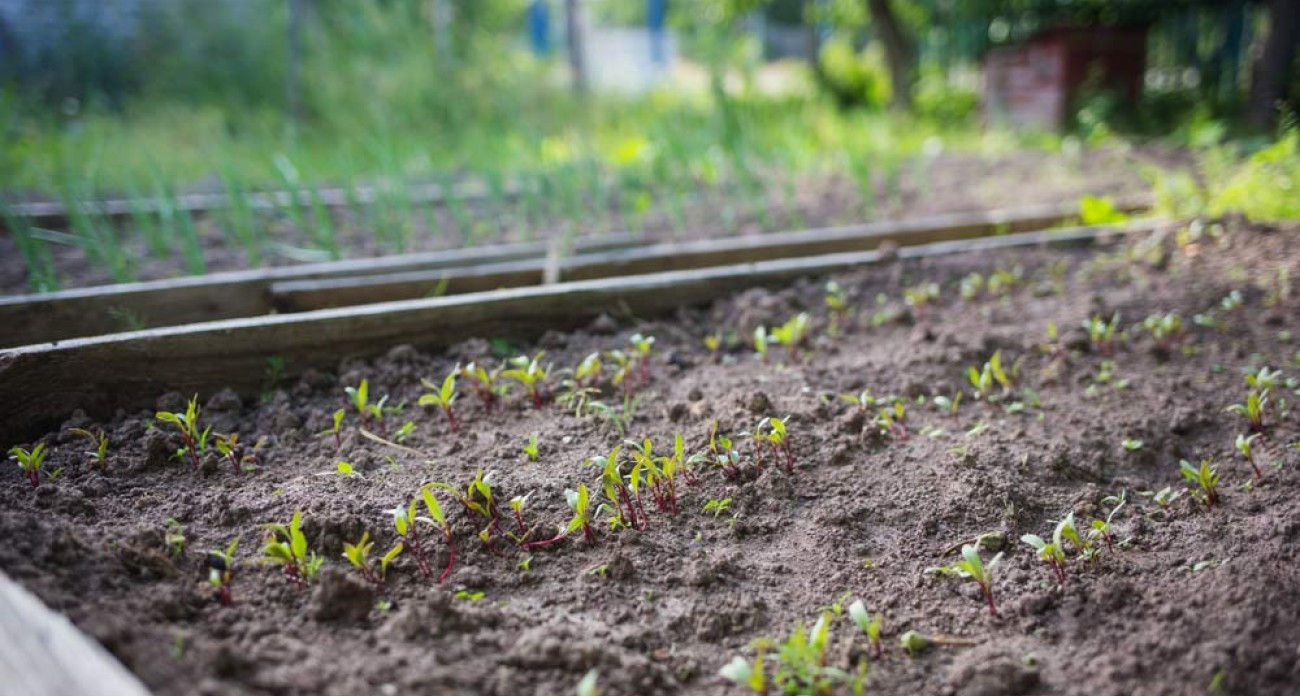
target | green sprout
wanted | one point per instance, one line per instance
(972, 567)
(221, 571)
(892, 421)
(760, 342)
(1105, 529)
(404, 433)
(1052, 553)
(713, 344)
(587, 374)
(587, 686)
(990, 377)
(1131, 445)
(1003, 281)
(370, 412)
(517, 507)
(740, 672)
(530, 449)
(869, 624)
(949, 404)
(30, 461)
(1205, 478)
(971, 286)
(778, 438)
(486, 384)
(286, 546)
(641, 348)
(99, 441)
(837, 302)
(533, 377)
(921, 297)
(239, 455)
(358, 555)
(864, 400)
(617, 490)
(580, 502)
(188, 425)
(624, 371)
(1165, 329)
(793, 334)
(443, 397)
(1102, 333)
(1252, 410)
(717, 506)
(1246, 446)
(337, 430)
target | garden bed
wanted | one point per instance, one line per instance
(1186, 598)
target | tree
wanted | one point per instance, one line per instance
(1272, 74)
(900, 50)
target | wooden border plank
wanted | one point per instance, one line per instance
(56, 316)
(45, 655)
(310, 295)
(40, 385)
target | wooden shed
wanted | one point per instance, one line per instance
(1037, 82)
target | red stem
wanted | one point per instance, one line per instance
(451, 561)
(455, 424)
(988, 597)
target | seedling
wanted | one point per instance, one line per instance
(760, 342)
(587, 686)
(1246, 446)
(869, 624)
(587, 374)
(30, 461)
(1102, 333)
(517, 507)
(358, 555)
(921, 297)
(990, 377)
(717, 506)
(778, 438)
(892, 421)
(240, 457)
(617, 491)
(949, 404)
(337, 430)
(641, 348)
(188, 425)
(837, 301)
(530, 449)
(1131, 445)
(438, 519)
(405, 432)
(1205, 478)
(99, 455)
(1252, 410)
(174, 538)
(287, 547)
(580, 502)
(713, 343)
(971, 286)
(793, 334)
(972, 567)
(443, 397)
(1166, 330)
(486, 384)
(1003, 281)
(740, 672)
(624, 371)
(371, 413)
(533, 377)
(914, 643)
(864, 399)
(1105, 529)
(221, 571)
(1050, 553)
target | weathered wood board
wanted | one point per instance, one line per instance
(41, 384)
(43, 654)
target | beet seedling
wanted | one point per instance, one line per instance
(287, 547)
(869, 624)
(486, 384)
(188, 425)
(740, 672)
(1105, 529)
(920, 298)
(443, 397)
(587, 374)
(99, 455)
(240, 457)
(1050, 553)
(358, 555)
(370, 413)
(1166, 330)
(892, 421)
(1252, 410)
(580, 502)
(864, 399)
(1102, 333)
(990, 377)
(221, 571)
(1205, 478)
(532, 376)
(778, 438)
(1246, 446)
(641, 348)
(337, 430)
(531, 449)
(760, 342)
(793, 334)
(439, 519)
(972, 567)
(517, 507)
(32, 462)
(616, 490)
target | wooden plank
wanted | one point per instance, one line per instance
(78, 312)
(310, 295)
(55, 213)
(40, 385)
(43, 654)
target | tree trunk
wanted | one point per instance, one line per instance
(900, 51)
(292, 93)
(1272, 74)
(573, 28)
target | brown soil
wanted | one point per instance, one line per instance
(1189, 594)
(954, 183)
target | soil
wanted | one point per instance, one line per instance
(1189, 597)
(963, 182)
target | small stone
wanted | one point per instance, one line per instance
(695, 395)
(678, 412)
(603, 324)
(758, 403)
